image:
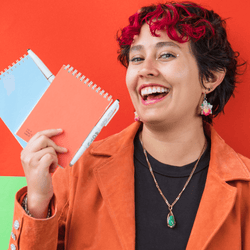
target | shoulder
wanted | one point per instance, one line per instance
(115, 142)
(243, 184)
(246, 161)
(111, 146)
(228, 164)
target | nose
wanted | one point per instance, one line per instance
(148, 68)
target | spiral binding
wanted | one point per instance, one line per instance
(13, 65)
(87, 81)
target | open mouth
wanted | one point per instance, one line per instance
(153, 94)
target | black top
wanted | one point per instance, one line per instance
(152, 232)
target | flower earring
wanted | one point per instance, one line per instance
(206, 107)
(136, 118)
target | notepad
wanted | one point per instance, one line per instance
(21, 86)
(72, 102)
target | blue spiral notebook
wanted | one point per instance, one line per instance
(21, 87)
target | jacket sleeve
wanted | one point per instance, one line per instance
(245, 208)
(42, 234)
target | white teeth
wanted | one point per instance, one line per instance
(150, 90)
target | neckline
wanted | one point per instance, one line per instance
(170, 170)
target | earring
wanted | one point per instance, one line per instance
(136, 118)
(206, 107)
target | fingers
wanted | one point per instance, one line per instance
(40, 148)
(49, 133)
(49, 160)
(42, 140)
(44, 151)
(37, 159)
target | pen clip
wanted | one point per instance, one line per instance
(112, 114)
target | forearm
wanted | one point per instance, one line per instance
(32, 233)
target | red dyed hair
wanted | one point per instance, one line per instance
(180, 24)
(206, 31)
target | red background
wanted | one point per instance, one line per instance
(82, 34)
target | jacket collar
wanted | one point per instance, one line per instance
(115, 178)
(224, 160)
(113, 144)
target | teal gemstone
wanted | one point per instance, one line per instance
(171, 220)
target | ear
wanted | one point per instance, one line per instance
(213, 83)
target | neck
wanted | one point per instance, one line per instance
(174, 144)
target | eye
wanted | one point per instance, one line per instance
(136, 59)
(166, 56)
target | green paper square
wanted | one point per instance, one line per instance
(8, 188)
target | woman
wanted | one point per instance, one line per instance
(167, 181)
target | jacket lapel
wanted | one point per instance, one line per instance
(218, 197)
(217, 201)
(115, 178)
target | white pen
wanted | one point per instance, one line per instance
(105, 119)
(50, 77)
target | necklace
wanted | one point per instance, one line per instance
(171, 222)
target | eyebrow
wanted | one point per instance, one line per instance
(158, 45)
(166, 44)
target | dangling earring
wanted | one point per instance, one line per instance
(206, 107)
(136, 118)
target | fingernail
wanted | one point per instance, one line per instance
(59, 130)
(64, 149)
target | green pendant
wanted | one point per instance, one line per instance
(171, 220)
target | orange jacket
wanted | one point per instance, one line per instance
(94, 202)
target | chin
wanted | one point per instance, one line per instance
(151, 120)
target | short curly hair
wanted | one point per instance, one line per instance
(206, 31)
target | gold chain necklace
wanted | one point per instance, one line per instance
(171, 222)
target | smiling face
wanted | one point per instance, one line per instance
(163, 79)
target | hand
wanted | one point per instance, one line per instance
(39, 160)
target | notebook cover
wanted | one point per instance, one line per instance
(10, 151)
(21, 86)
(72, 103)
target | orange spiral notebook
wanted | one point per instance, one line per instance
(72, 102)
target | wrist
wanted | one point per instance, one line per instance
(36, 211)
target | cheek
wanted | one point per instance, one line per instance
(183, 74)
(175, 71)
(131, 79)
